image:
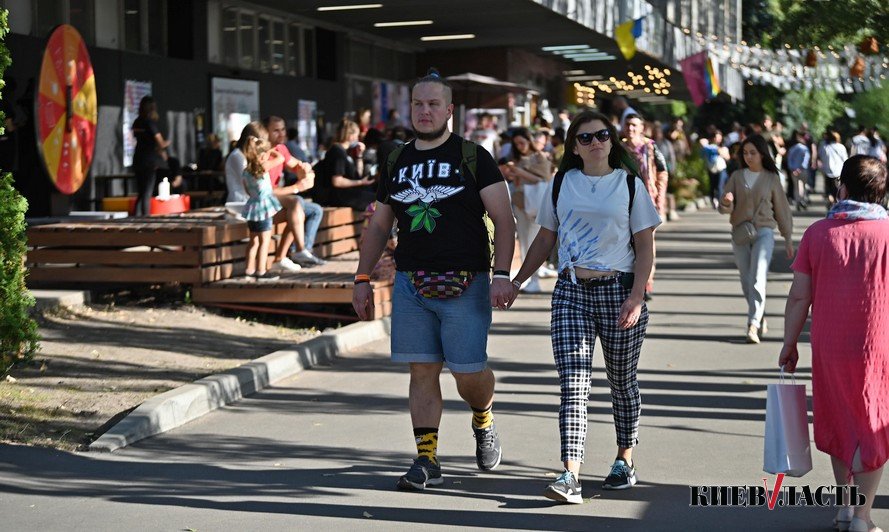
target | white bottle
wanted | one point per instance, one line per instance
(163, 190)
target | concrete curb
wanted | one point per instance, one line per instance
(46, 299)
(191, 401)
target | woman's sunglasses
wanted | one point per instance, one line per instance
(586, 138)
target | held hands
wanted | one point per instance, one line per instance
(363, 301)
(630, 312)
(788, 358)
(501, 294)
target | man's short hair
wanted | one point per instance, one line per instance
(433, 76)
(865, 179)
(271, 118)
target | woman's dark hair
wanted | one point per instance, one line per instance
(523, 132)
(872, 136)
(148, 108)
(618, 157)
(865, 179)
(758, 142)
(433, 76)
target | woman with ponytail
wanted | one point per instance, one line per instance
(604, 220)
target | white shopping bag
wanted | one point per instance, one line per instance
(787, 449)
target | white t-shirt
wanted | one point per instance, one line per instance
(832, 157)
(234, 170)
(593, 224)
(750, 177)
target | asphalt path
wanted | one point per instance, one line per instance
(323, 449)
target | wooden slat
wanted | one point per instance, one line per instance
(104, 238)
(224, 253)
(115, 275)
(334, 216)
(142, 258)
(273, 294)
(333, 249)
(338, 233)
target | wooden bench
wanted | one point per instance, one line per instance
(193, 248)
(338, 234)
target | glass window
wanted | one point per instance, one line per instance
(80, 15)
(132, 25)
(230, 36)
(278, 47)
(50, 13)
(157, 28)
(294, 57)
(308, 53)
(264, 38)
(247, 32)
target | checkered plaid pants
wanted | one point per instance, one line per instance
(580, 314)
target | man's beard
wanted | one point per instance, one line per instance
(435, 135)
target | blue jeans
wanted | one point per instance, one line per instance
(313, 220)
(453, 331)
(753, 262)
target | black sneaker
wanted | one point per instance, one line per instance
(622, 476)
(423, 473)
(487, 448)
(566, 488)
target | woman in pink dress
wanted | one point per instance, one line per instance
(842, 272)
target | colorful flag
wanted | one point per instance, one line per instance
(712, 79)
(626, 34)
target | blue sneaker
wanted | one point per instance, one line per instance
(566, 488)
(421, 474)
(622, 476)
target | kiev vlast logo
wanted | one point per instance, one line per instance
(780, 496)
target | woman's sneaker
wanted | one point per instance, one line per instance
(622, 476)
(421, 474)
(566, 488)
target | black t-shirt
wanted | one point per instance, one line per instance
(146, 153)
(438, 208)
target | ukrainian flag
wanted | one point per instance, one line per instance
(626, 34)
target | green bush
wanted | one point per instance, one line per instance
(18, 332)
(690, 180)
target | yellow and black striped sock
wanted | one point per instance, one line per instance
(427, 443)
(482, 419)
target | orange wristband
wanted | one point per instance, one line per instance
(362, 277)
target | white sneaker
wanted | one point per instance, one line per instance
(285, 265)
(752, 334)
(547, 273)
(532, 286)
(306, 258)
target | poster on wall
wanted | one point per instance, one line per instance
(389, 96)
(308, 133)
(235, 104)
(133, 92)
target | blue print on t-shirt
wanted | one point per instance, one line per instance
(582, 248)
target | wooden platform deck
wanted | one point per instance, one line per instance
(205, 249)
(330, 283)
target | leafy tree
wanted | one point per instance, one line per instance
(818, 108)
(872, 108)
(18, 332)
(834, 22)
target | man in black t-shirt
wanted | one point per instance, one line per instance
(442, 298)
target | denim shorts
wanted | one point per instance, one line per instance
(259, 226)
(453, 331)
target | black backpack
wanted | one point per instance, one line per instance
(631, 188)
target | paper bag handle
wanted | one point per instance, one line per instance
(781, 376)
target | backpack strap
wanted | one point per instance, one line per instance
(631, 188)
(557, 186)
(391, 161)
(470, 157)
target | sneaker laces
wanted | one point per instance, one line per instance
(619, 468)
(485, 438)
(565, 477)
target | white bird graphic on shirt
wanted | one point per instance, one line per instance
(426, 195)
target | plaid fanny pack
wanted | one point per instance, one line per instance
(441, 285)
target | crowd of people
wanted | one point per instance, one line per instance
(584, 200)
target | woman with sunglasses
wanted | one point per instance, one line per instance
(605, 255)
(841, 272)
(753, 195)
